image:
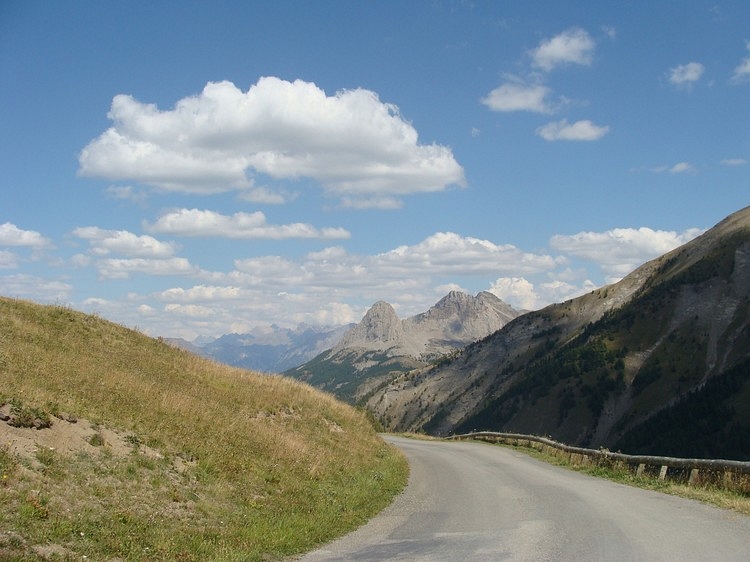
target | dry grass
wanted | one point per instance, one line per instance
(709, 493)
(277, 467)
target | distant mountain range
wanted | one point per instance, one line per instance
(658, 363)
(382, 345)
(269, 349)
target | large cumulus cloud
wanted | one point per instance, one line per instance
(355, 146)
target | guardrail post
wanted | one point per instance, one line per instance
(663, 472)
(694, 477)
(640, 470)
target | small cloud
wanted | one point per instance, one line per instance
(517, 292)
(681, 168)
(264, 195)
(686, 74)
(382, 203)
(11, 235)
(579, 131)
(196, 222)
(104, 242)
(742, 71)
(127, 193)
(733, 162)
(513, 96)
(573, 46)
(124, 268)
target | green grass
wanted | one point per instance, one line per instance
(250, 466)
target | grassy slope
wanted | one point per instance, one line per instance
(278, 466)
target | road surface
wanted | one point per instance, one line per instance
(479, 502)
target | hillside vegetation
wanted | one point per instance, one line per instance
(219, 464)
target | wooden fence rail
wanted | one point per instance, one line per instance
(734, 475)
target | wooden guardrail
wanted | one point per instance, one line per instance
(734, 475)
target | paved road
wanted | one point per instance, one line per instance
(478, 502)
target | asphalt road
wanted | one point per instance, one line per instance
(479, 502)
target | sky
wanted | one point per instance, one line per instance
(192, 169)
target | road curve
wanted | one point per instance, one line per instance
(479, 502)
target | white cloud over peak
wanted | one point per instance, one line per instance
(574, 46)
(351, 143)
(583, 130)
(196, 222)
(513, 96)
(619, 251)
(686, 74)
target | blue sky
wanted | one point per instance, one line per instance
(199, 168)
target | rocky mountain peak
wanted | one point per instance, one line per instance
(380, 327)
(455, 321)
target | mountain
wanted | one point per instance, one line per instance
(270, 349)
(382, 344)
(657, 363)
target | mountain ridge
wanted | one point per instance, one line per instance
(381, 343)
(590, 370)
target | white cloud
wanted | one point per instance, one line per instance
(8, 260)
(573, 46)
(681, 167)
(522, 294)
(191, 310)
(11, 235)
(516, 291)
(105, 242)
(35, 288)
(449, 253)
(619, 251)
(119, 268)
(518, 97)
(127, 193)
(733, 162)
(351, 143)
(196, 222)
(686, 74)
(264, 195)
(742, 71)
(378, 202)
(579, 131)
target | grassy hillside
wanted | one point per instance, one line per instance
(244, 466)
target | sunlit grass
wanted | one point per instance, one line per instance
(708, 493)
(273, 466)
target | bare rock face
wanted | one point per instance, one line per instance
(458, 319)
(379, 329)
